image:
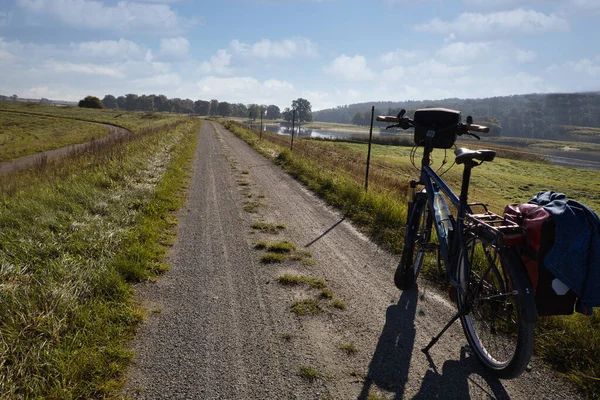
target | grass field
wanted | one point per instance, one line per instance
(23, 135)
(71, 238)
(335, 171)
(133, 121)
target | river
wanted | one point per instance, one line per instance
(563, 157)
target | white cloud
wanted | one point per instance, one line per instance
(583, 69)
(352, 69)
(525, 56)
(218, 64)
(497, 23)
(245, 90)
(41, 91)
(174, 47)
(111, 49)
(398, 56)
(394, 74)
(86, 69)
(585, 5)
(461, 52)
(123, 16)
(158, 82)
(266, 48)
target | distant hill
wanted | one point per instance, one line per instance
(558, 116)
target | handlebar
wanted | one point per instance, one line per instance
(405, 123)
(387, 118)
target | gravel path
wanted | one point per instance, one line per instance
(221, 326)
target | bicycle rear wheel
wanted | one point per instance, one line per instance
(417, 236)
(497, 307)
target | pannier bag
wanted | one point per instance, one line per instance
(564, 245)
(552, 296)
(441, 120)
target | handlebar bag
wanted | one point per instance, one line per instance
(444, 122)
(552, 297)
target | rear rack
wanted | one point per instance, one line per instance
(494, 227)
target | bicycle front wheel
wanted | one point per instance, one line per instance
(497, 307)
(416, 238)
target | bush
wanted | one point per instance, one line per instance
(90, 102)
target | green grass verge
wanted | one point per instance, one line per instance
(131, 120)
(24, 135)
(570, 344)
(71, 238)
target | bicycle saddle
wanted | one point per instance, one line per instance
(463, 155)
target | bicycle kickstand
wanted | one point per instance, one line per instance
(435, 339)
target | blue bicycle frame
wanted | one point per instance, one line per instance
(430, 179)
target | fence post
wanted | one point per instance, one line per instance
(369, 152)
(261, 125)
(293, 122)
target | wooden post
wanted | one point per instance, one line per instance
(369, 152)
(261, 125)
(293, 122)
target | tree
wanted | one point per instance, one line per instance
(214, 107)
(110, 101)
(273, 112)
(121, 102)
(287, 114)
(131, 101)
(358, 118)
(201, 107)
(303, 110)
(146, 103)
(162, 103)
(254, 111)
(224, 109)
(90, 102)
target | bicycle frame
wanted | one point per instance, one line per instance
(430, 179)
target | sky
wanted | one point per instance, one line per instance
(331, 52)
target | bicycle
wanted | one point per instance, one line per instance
(479, 252)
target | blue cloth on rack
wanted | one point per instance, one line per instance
(575, 256)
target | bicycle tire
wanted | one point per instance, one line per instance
(417, 236)
(497, 307)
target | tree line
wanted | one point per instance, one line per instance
(161, 103)
(544, 116)
(300, 111)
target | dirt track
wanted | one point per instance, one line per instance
(41, 157)
(222, 326)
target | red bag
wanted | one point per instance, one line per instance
(551, 296)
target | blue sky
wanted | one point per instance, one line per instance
(331, 52)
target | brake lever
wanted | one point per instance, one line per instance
(474, 135)
(393, 126)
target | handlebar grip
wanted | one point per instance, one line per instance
(387, 118)
(478, 128)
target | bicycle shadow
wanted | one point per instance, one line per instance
(390, 364)
(458, 380)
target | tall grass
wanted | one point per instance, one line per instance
(72, 234)
(571, 344)
(131, 120)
